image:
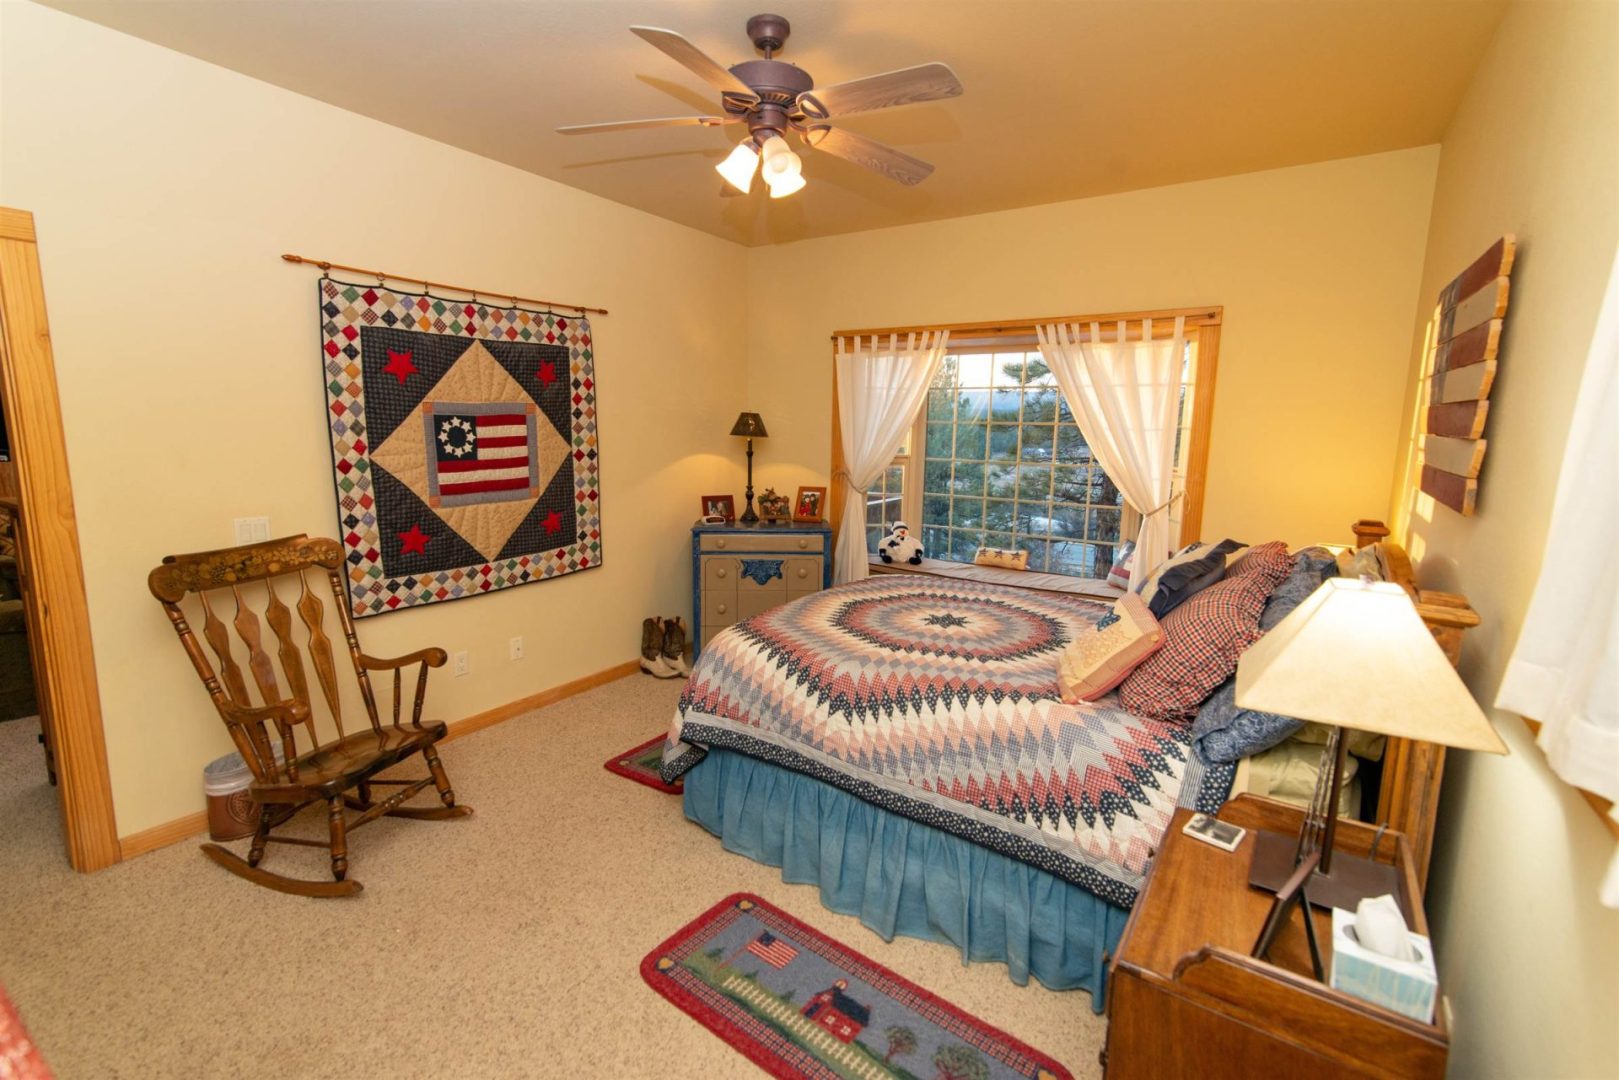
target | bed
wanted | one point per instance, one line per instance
(901, 743)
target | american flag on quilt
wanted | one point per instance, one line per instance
(937, 699)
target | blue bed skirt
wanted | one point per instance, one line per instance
(903, 877)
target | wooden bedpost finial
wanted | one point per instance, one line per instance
(1368, 531)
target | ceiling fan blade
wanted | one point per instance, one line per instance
(876, 156)
(927, 82)
(664, 121)
(694, 60)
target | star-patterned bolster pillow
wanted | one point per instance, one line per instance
(1098, 660)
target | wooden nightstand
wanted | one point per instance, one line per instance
(737, 571)
(1186, 999)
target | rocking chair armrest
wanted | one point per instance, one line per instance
(286, 715)
(432, 657)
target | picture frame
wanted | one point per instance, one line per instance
(809, 505)
(774, 507)
(720, 506)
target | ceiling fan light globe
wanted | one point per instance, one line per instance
(778, 157)
(739, 167)
(784, 184)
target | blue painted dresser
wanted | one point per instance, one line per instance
(740, 570)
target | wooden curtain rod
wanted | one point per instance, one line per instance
(324, 265)
(1202, 316)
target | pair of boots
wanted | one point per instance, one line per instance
(663, 648)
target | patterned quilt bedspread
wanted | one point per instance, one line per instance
(937, 699)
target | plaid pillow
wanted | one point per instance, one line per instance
(1203, 639)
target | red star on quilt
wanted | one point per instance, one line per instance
(547, 373)
(413, 541)
(553, 522)
(399, 366)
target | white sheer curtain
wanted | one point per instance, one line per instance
(1564, 671)
(881, 384)
(1125, 395)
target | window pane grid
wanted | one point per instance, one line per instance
(1006, 466)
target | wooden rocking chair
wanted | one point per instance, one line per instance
(284, 779)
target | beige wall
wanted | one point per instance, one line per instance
(164, 189)
(1315, 266)
(1529, 956)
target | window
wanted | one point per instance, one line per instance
(1005, 465)
(996, 457)
(885, 502)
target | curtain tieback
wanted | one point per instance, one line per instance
(848, 478)
(1165, 505)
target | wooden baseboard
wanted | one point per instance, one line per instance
(490, 717)
(161, 836)
(184, 828)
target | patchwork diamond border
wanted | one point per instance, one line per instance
(344, 308)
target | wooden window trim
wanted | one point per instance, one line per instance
(1202, 325)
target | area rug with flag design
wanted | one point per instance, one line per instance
(464, 444)
(937, 699)
(800, 1004)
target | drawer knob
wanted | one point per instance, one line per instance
(720, 572)
(803, 572)
(803, 543)
(721, 607)
(720, 542)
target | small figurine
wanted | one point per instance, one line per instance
(900, 546)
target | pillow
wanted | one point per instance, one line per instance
(1098, 659)
(1203, 639)
(1224, 733)
(1009, 560)
(1118, 575)
(1184, 574)
(1268, 561)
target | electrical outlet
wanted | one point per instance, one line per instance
(517, 648)
(461, 663)
(252, 530)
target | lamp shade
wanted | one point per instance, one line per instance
(738, 168)
(750, 425)
(1356, 654)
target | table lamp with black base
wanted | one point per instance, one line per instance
(1354, 654)
(750, 426)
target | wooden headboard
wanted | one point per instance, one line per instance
(1409, 797)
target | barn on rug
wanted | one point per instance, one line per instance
(463, 441)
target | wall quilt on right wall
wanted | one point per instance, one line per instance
(1464, 342)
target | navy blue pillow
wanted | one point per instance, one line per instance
(1185, 580)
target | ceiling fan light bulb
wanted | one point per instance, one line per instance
(739, 167)
(784, 184)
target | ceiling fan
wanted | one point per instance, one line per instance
(774, 97)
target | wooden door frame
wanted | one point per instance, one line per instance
(58, 615)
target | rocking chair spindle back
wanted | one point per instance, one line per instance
(285, 777)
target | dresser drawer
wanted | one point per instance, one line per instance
(761, 542)
(803, 575)
(719, 610)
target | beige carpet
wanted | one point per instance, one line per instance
(504, 944)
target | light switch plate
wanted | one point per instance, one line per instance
(252, 530)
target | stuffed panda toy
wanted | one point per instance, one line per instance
(900, 546)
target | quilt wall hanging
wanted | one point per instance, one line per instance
(464, 444)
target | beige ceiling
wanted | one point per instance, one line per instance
(1064, 98)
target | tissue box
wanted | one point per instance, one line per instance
(1408, 987)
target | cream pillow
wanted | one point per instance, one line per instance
(1099, 658)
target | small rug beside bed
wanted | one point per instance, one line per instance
(641, 764)
(799, 1004)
